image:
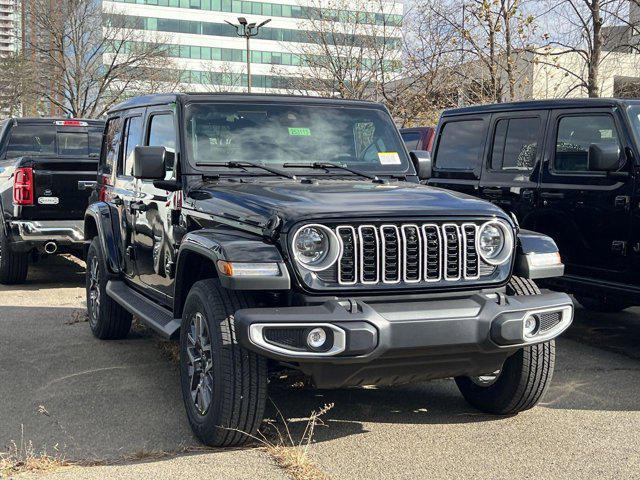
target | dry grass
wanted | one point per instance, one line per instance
(291, 455)
(22, 458)
(170, 350)
(77, 316)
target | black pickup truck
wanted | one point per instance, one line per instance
(274, 233)
(47, 171)
(566, 168)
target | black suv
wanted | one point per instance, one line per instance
(567, 168)
(274, 233)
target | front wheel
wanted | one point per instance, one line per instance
(524, 377)
(224, 385)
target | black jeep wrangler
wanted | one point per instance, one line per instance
(566, 168)
(280, 232)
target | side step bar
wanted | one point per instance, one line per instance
(156, 317)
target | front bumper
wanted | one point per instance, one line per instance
(437, 338)
(34, 232)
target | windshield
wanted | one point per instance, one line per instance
(39, 140)
(634, 115)
(361, 138)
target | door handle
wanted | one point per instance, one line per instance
(496, 192)
(552, 195)
(137, 207)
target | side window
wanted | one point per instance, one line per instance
(162, 132)
(576, 134)
(460, 145)
(111, 145)
(411, 140)
(132, 138)
(515, 144)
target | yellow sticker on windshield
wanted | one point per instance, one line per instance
(299, 132)
(389, 158)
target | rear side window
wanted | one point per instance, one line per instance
(576, 134)
(112, 135)
(515, 144)
(461, 144)
(31, 140)
(411, 140)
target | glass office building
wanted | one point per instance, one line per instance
(210, 56)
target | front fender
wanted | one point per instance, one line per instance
(100, 215)
(537, 256)
(234, 246)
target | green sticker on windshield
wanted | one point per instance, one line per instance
(299, 132)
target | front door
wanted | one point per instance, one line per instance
(154, 242)
(511, 170)
(588, 213)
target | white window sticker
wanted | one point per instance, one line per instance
(389, 158)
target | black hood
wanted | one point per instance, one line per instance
(257, 201)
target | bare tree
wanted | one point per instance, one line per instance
(88, 59)
(589, 31)
(224, 77)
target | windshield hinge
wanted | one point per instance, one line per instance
(271, 230)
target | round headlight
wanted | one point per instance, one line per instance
(494, 243)
(315, 247)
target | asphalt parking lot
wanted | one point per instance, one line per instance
(116, 402)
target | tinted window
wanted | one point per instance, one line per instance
(133, 137)
(111, 144)
(576, 134)
(515, 144)
(461, 145)
(411, 140)
(162, 132)
(31, 140)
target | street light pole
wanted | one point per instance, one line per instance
(248, 30)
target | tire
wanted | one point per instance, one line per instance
(603, 304)
(524, 377)
(107, 319)
(235, 377)
(14, 266)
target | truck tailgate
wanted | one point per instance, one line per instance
(57, 191)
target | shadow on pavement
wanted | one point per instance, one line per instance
(55, 271)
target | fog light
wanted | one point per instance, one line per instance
(316, 338)
(530, 326)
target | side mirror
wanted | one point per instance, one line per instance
(604, 157)
(422, 162)
(149, 163)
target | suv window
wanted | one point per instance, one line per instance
(411, 139)
(576, 134)
(162, 132)
(460, 145)
(111, 145)
(515, 144)
(132, 138)
(36, 140)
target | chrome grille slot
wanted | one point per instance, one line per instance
(369, 254)
(412, 242)
(396, 253)
(348, 262)
(471, 259)
(452, 251)
(433, 253)
(390, 253)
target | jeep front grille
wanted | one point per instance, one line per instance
(409, 253)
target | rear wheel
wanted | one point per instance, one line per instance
(224, 386)
(14, 266)
(524, 377)
(107, 319)
(602, 304)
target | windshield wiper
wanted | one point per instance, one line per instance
(243, 166)
(328, 165)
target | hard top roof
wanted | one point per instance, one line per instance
(541, 105)
(163, 99)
